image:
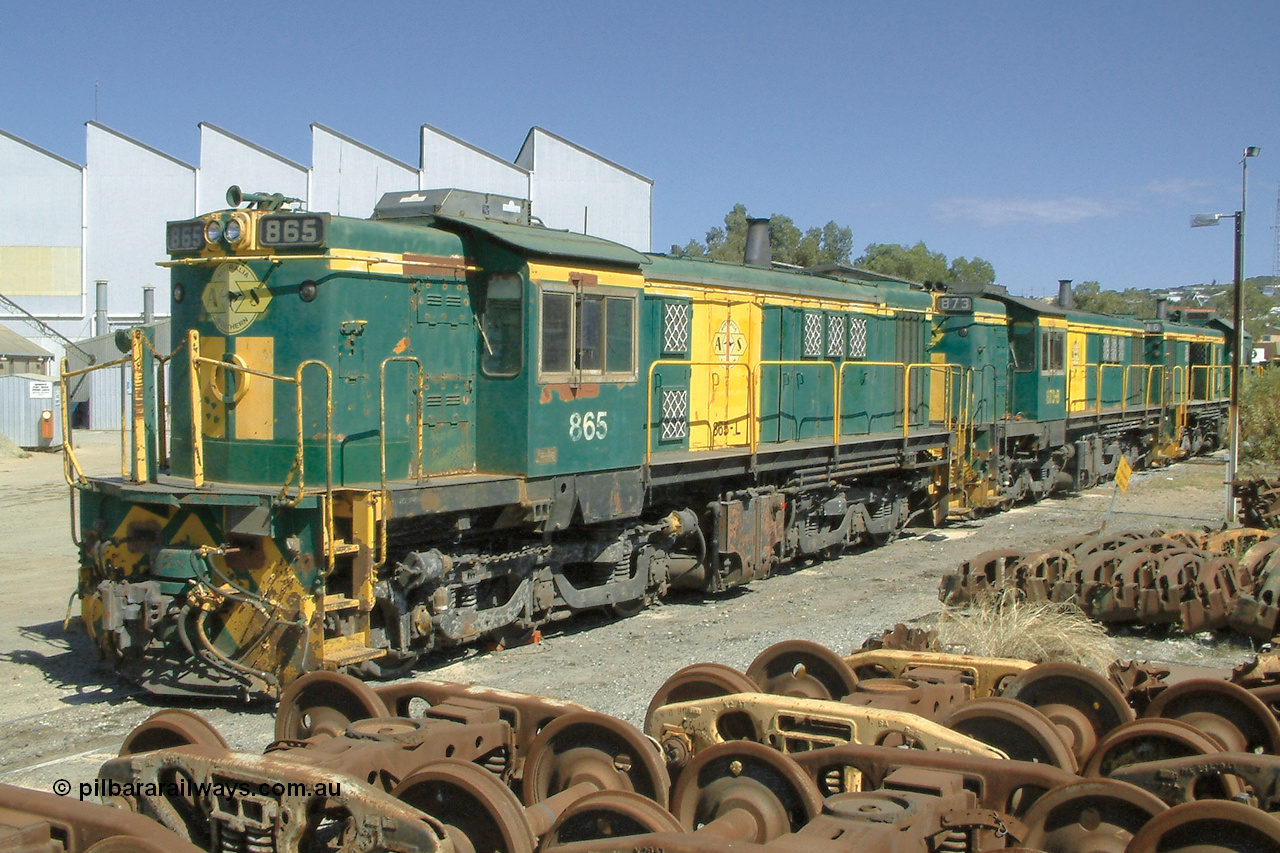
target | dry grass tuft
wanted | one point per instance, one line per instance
(1037, 631)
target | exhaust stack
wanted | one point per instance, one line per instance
(1065, 299)
(148, 304)
(1162, 309)
(758, 252)
(100, 324)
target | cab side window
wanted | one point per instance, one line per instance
(502, 326)
(586, 335)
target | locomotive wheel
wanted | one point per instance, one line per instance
(1231, 715)
(699, 681)
(802, 669)
(1209, 826)
(1147, 739)
(325, 703)
(584, 746)
(1099, 815)
(169, 728)
(608, 814)
(480, 814)
(1019, 731)
(1081, 703)
(750, 777)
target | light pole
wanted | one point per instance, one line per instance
(1237, 322)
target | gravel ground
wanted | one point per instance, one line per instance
(62, 714)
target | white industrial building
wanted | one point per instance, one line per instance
(65, 226)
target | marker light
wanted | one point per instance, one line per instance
(179, 291)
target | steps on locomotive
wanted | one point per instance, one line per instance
(348, 597)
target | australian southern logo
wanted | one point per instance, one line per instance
(729, 344)
(234, 297)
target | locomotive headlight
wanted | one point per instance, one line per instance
(213, 232)
(237, 231)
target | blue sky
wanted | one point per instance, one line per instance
(1063, 140)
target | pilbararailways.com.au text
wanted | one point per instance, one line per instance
(191, 789)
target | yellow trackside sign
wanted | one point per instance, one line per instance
(1123, 471)
(234, 297)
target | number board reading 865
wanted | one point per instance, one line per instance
(291, 231)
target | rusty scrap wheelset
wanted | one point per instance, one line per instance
(881, 750)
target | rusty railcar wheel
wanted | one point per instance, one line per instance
(480, 813)
(1209, 826)
(169, 728)
(584, 746)
(1081, 703)
(1099, 815)
(748, 777)
(608, 814)
(699, 681)
(802, 669)
(1018, 730)
(325, 703)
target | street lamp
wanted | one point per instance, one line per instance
(1237, 320)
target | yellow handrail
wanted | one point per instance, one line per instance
(677, 362)
(835, 389)
(895, 364)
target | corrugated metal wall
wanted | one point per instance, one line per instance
(24, 398)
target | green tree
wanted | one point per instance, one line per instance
(1260, 417)
(1089, 296)
(1257, 305)
(830, 244)
(976, 271)
(919, 264)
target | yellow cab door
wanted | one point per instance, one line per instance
(1077, 371)
(720, 381)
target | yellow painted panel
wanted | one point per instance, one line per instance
(255, 413)
(40, 270)
(725, 342)
(605, 278)
(213, 412)
(1077, 372)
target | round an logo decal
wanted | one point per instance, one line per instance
(729, 344)
(234, 297)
